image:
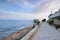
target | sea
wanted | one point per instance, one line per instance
(9, 26)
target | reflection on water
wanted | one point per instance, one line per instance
(9, 26)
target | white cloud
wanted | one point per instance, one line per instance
(16, 15)
(40, 9)
(47, 7)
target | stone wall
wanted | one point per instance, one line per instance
(56, 21)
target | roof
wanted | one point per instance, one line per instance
(56, 14)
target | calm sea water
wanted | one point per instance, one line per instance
(9, 26)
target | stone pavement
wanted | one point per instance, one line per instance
(46, 32)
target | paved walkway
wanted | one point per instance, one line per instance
(46, 32)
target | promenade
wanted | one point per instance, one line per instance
(46, 32)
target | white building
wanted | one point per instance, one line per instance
(55, 17)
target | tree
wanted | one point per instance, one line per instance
(36, 22)
(44, 20)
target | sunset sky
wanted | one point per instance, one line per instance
(27, 9)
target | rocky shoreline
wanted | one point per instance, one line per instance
(17, 35)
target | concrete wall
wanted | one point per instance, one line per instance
(31, 33)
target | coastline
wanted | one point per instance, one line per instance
(18, 34)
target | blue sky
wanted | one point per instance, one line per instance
(27, 9)
(16, 6)
(19, 5)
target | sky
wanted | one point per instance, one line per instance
(27, 9)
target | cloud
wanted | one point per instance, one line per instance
(15, 15)
(44, 9)
(50, 5)
(35, 6)
(29, 9)
(27, 4)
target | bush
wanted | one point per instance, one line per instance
(58, 18)
(57, 26)
(36, 21)
(50, 22)
(44, 20)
